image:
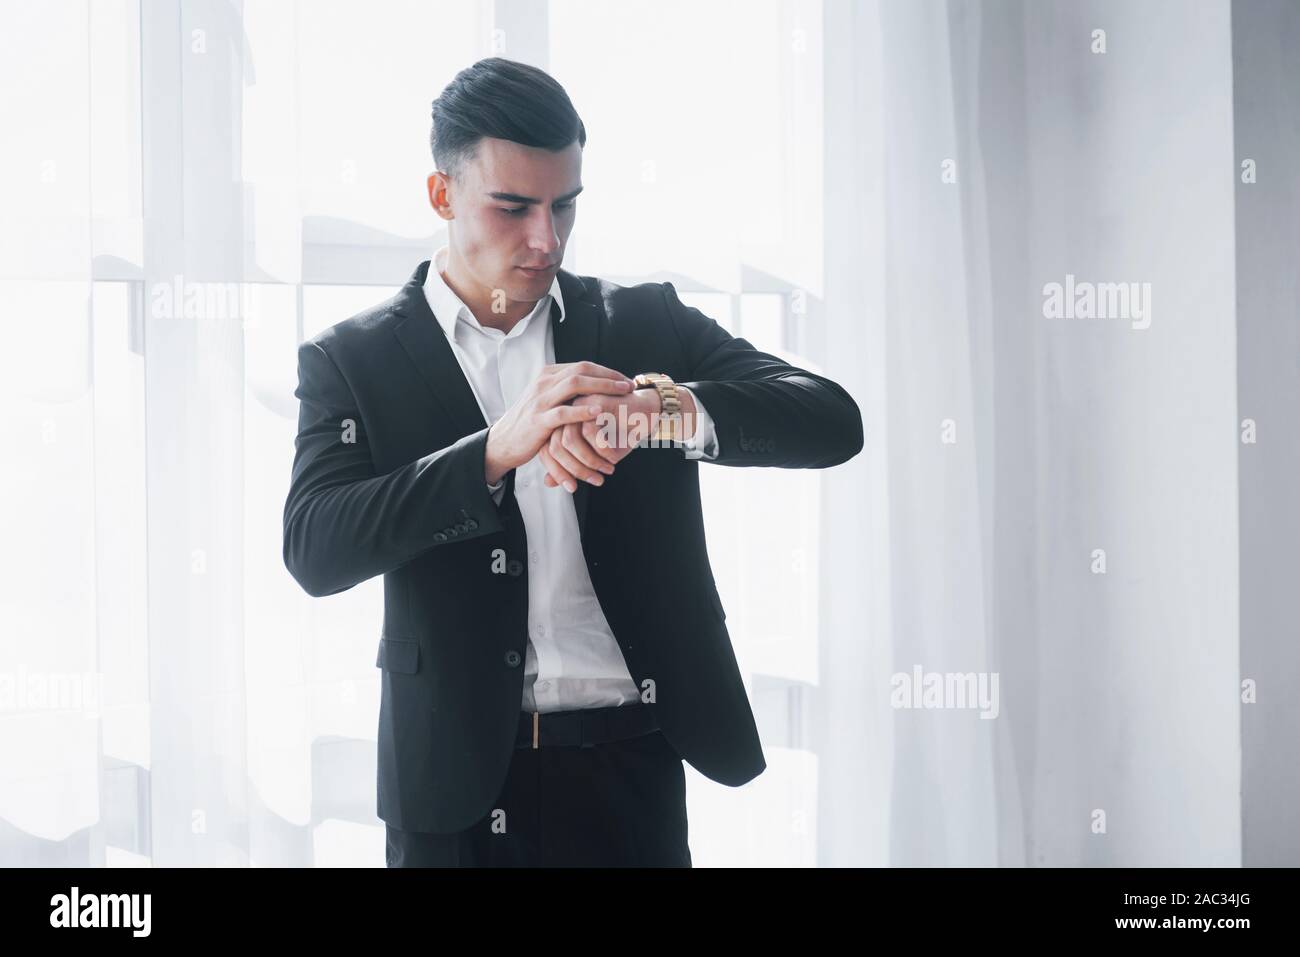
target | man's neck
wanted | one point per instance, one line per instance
(479, 301)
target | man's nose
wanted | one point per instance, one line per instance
(544, 237)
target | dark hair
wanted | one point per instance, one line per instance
(506, 100)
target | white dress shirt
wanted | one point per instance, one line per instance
(573, 660)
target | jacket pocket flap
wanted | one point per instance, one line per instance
(399, 654)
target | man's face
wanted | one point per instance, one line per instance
(511, 207)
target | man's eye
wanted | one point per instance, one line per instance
(517, 210)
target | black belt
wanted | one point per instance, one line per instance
(585, 727)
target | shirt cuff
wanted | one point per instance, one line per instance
(704, 443)
(495, 490)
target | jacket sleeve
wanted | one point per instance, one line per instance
(343, 523)
(703, 444)
(765, 411)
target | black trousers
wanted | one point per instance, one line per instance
(613, 804)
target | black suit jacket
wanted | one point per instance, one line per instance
(388, 479)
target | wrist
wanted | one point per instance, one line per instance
(494, 465)
(648, 401)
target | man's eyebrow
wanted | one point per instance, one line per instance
(529, 200)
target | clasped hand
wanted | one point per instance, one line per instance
(579, 418)
(588, 450)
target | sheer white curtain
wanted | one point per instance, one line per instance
(1050, 499)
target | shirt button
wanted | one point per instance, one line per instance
(543, 685)
(524, 483)
(533, 557)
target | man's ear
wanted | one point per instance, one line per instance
(439, 189)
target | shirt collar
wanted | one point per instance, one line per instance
(447, 306)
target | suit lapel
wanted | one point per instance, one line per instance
(427, 345)
(575, 339)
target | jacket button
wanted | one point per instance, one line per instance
(515, 567)
(439, 536)
(461, 528)
(452, 532)
(471, 524)
(512, 658)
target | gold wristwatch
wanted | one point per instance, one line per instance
(670, 411)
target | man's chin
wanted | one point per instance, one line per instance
(523, 290)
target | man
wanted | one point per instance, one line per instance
(553, 644)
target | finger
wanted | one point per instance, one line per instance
(587, 367)
(613, 454)
(555, 476)
(574, 384)
(564, 414)
(603, 436)
(599, 436)
(570, 462)
(571, 438)
(555, 473)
